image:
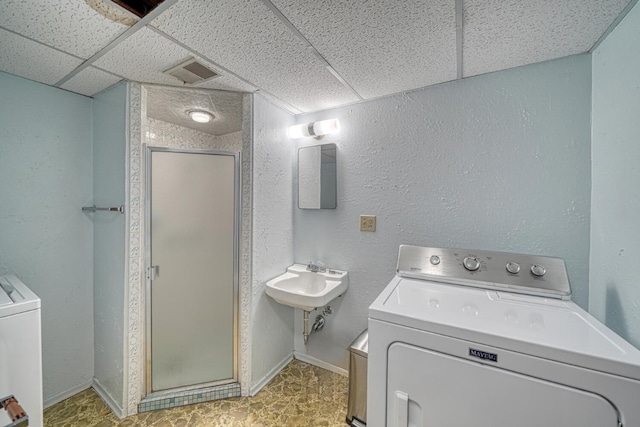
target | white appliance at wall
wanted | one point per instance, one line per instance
(481, 338)
(20, 348)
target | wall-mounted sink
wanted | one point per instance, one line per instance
(307, 290)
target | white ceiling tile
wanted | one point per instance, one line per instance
(247, 38)
(501, 34)
(90, 81)
(380, 47)
(146, 54)
(32, 60)
(225, 81)
(279, 103)
(171, 105)
(68, 25)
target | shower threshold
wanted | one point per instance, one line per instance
(172, 399)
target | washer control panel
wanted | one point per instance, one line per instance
(513, 267)
(471, 263)
(510, 272)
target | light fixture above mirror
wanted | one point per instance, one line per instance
(314, 129)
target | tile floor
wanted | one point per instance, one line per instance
(300, 395)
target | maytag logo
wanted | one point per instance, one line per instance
(492, 357)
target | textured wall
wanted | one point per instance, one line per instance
(109, 163)
(271, 323)
(45, 239)
(496, 162)
(163, 134)
(233, 139)
(615, 198)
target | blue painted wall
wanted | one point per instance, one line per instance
(615, 209)
(109, 164)
(46, 176)
(497, 162)
(271, 323)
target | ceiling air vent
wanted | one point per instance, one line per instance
(192, 72)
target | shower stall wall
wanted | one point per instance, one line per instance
(145, 131)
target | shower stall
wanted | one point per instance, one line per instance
(188, 266)
(192, 225)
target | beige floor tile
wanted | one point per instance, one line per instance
(302, 395)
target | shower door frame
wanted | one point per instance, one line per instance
(237, 182)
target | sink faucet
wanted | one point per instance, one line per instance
(316, 268)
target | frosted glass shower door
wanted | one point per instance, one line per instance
(193, 242)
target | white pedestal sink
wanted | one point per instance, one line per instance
(307, 290)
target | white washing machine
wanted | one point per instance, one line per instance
(20, 349)
(487, 339)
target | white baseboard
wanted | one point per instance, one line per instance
(319, 363)
(272, 373)
(108, 399)
(66, 394)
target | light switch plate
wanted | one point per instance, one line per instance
(367, 223)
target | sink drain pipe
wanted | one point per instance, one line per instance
(317, 325)
(305, 333)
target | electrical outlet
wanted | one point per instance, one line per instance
(367, 223)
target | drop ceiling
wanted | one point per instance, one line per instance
(302, 55)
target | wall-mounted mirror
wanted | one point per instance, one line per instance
(317, 184)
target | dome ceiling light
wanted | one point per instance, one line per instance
(200, 116)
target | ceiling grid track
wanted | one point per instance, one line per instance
(459, 35)
(613, 25)
(220, 67)
(109, 72)
(321, 58)
(122, 37)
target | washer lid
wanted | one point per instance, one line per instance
(544, 327)
(15, 297)
(4, 298)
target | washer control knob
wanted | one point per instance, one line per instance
(513, 267)
(538, 270)
(435, 259)
(471, 263)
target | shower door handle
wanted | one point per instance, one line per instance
(154, 272)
